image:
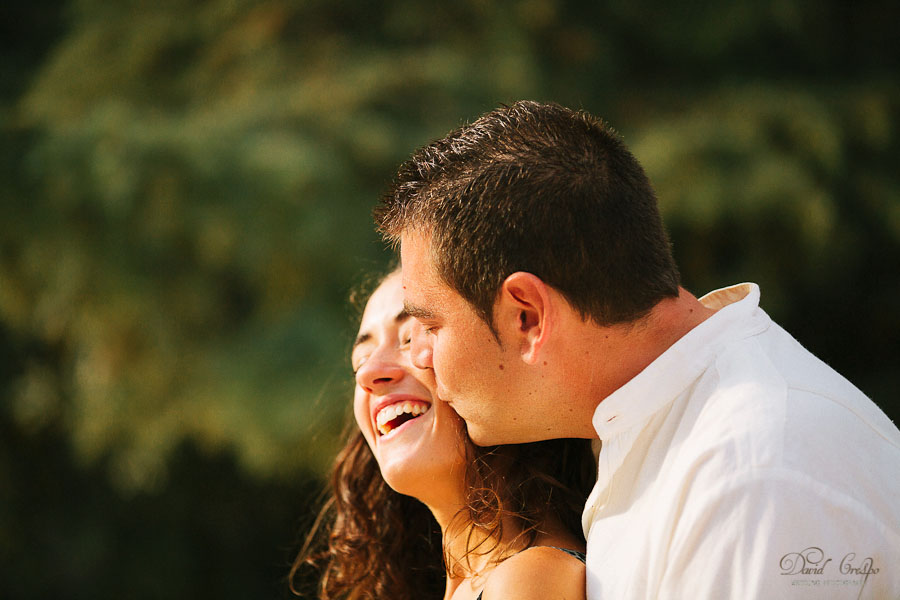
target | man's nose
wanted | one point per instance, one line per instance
(420, 347)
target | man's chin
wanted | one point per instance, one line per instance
(480, 436)
(492, 436)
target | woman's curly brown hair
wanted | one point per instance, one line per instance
(370, 542)
(524, 485)
(374, 543)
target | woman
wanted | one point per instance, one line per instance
(417, 508)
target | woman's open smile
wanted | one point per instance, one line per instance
(396, 410)
(416, 439)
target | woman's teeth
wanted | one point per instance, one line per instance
(391, 417)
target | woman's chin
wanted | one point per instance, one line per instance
(405, 478)
(432, 480)
(423, 458)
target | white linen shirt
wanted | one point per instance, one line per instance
(738, 465)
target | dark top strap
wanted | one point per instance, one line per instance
(579, 555)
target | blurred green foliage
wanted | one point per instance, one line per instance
(185, 196)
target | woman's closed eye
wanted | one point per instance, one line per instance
(404, 336)
(358, 361)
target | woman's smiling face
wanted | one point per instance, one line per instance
(416, 439)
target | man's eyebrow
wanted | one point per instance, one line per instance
(417, 312)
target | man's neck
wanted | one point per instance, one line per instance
(673, 318)
(618, 353)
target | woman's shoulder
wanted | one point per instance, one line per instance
(537, 572)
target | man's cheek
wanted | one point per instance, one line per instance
(444, 363)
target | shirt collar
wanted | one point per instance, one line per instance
(679, 366)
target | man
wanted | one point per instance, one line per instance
(734, 464)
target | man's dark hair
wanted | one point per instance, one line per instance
(543, 189)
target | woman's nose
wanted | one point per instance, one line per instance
(378, 372)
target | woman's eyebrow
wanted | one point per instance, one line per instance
(365, 337)
(361, 339)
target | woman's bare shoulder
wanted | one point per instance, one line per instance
(537, 573)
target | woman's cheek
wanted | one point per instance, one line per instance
(361, 413)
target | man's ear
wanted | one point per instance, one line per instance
(525, 313)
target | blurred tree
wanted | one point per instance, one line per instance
(186, 188)
(798, 190)
(210, 533)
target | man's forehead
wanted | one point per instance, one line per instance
(416, 263)
(419, 297)
(415, 246)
